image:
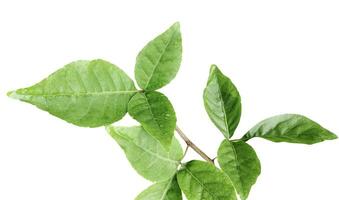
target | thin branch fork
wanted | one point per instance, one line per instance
(193, 146)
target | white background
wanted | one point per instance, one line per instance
(282, 55)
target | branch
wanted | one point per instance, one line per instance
(193, 146)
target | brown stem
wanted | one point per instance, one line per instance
(193, 146)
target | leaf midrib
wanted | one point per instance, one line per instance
(200, 183)
(158, 61)
(153, 117)
(237, 167)
(166, 190)
(222, 106)
(76, 94)
(150, 152)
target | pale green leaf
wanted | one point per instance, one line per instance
(146, 154)
(291, 128)
(156, 114)
(240, 162)
(85, 93)
(222, 102)
(159, 61)
(165, 190)
(203, 181)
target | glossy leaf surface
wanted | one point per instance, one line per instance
(146, 154)
(85, 93)
(159, 61)
(241, 164)
(156, 114)
(290, 128)
(203, 181)
(166, 190)
(222, 102)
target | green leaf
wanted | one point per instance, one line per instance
(159, 61)
(222, 102)
(166, 190)
(156, 114)
(240, 162)
(203, 181)
(146, 154)
(85, 93)
(290, 128)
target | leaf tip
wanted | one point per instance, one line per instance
(333, 136)
(13, 94)
(213, 68)
(176, 26)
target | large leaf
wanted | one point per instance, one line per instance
(166, 190)
(146, 154)
(290, 128)
(85, 93)
(203, 181)
(222, 102)
(159, 61)
(240, 162)
(156, 114)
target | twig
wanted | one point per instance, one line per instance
(193, 146)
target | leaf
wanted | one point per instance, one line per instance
(85, 93)
(159, 61)
(240, 162)
(156, 114)
(203, 181)
(222, 102)
(166, 190)
(291, 128)
(146, 154)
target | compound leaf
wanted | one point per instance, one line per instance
(85, 93)
(159, 61)
(291, 128)
(222, 102)
(146, 154)
(165, 190)
(156, 114)
(200, 180)
(240, 162)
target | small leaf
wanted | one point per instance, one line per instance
(156, 114)
(240, 162)
(146, 154)
(222, 102)
(159, 61)
(85, 93)
(166, 190)
(290, 128)
(203, 181)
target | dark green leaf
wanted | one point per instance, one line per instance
(203, 181)
(222, 102)
(290, 128)
(146, 154)
(166, 190)
(156, 114)
(240, 162)
(159, 61)
(85, 93)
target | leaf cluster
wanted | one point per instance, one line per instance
(94, 93)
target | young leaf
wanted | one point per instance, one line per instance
(85, 93)
(166, 190)
(159, 61)
(156, 114)
(146, 154)
(222, 102)
(203, 181)
(240, 162)
(290, 128)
